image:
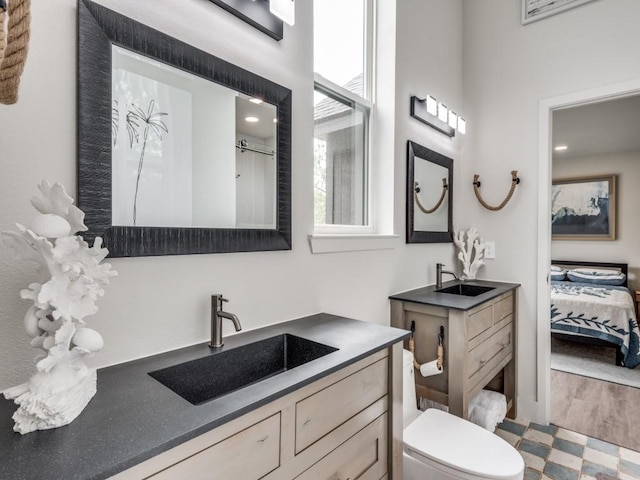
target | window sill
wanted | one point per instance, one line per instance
(331, 243)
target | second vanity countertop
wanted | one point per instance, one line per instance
(133, 417)
(429, 296)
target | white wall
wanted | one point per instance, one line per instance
(162, 303)
(508, 69)
(624, 248)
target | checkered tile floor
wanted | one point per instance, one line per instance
(553, 453)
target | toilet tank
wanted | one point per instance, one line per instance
(409, 403)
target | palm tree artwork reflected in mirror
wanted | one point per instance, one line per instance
(135, 118)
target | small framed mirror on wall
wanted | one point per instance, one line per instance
(179, 152)
(429, 195)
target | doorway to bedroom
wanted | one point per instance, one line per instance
(594, 196)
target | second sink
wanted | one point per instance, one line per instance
(204, 379)
(465, 290)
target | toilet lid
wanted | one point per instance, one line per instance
(462, 445)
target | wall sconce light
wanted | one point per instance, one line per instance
(437, 115)
(285, 10)
(265, 15)
(432, 105)
(453, 119)
(462, 125)
(443, 112)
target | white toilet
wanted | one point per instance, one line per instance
(440, 446)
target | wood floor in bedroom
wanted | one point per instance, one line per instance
(604, 410)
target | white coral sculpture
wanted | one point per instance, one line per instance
(71, 280)
(471, 254)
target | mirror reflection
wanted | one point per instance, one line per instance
(431, 209)
(429, 195)
(188, 152)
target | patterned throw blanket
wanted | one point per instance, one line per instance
(598, 311)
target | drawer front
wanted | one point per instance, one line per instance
(362, 457)
(490, 353)
(502, 308)
(322, 412)
(249, 455)
(479, 321)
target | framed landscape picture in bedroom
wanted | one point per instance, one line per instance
(533, 10)
(584, 208)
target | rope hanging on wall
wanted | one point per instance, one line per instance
(16, 34)
(476, 188)
(3, 28)
(416, 190)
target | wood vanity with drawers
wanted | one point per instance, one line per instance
(336, 427)
(479, 343)
(337, 416)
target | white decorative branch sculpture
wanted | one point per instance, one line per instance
(71, 280)
(471, 255)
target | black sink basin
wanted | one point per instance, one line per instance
(466, 290)
(206, 378)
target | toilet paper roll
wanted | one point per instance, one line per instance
(430, 368)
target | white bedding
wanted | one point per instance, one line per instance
(600, 311)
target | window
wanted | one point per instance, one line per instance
(343, 45)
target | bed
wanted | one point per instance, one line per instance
(593, 310)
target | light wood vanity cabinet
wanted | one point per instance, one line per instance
(480, 349)
(335, 428)
(250, 453)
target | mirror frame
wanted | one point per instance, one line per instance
(98, 29)
(414, 151)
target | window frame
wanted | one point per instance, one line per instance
(365, 104)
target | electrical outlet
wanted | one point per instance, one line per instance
(490, 250)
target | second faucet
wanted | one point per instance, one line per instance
(439, 273)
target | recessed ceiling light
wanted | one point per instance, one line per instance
(560, 148)
(251, 119)
(275, 120)
(257, 101)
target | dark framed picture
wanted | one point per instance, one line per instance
(584, 208)
(533, 10)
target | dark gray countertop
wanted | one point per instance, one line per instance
(133, 417)
(429, 296)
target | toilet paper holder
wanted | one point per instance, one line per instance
(434, 367)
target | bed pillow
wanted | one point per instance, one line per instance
(594, 275)
(557, 273)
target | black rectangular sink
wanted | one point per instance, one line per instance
(206, 378)
(465, 290)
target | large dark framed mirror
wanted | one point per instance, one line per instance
(179, 152)
(429, 195)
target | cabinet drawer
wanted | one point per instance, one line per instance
(320, 413)
(502, 308)
(362, 457)
(490, 353)
(249, 454)
(479, 321)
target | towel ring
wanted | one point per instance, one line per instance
(476, 189)
(416, 190)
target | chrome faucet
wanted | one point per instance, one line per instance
(217, 314)
(439, 273)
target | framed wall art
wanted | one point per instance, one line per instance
(584, 208)
(533, 10)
